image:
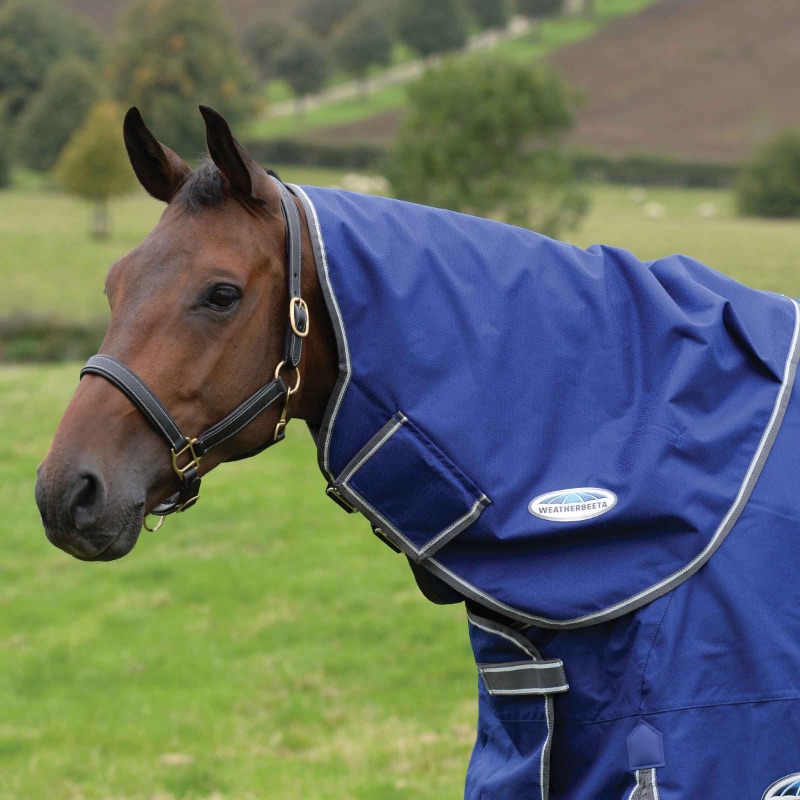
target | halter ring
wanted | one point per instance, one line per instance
(293, 389)
(158, 524)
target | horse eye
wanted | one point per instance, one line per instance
(222, 297)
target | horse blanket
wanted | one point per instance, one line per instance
(564, 438)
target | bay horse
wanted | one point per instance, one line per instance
(597, 455)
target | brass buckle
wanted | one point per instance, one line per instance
(293, 304)
(283, 422)
(195, 462)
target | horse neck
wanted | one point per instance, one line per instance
(318, 367)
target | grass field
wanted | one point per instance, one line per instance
(51, 266)
(264, 646)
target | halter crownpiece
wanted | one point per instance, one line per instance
(187, 452)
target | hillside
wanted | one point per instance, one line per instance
(693, 79)
(697, 78)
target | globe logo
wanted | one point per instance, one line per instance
(785, 787)
(573, 505)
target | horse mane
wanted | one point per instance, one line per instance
(207, 187)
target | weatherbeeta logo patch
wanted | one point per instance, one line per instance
(785, 787)
(572, 505)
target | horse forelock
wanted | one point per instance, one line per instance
(207, 187)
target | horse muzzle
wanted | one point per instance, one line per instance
(81, 516)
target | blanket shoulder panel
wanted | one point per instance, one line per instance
(527, 366)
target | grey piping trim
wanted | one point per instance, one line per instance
(321, 260)
(657, 590)
(371, 447)
(490, 626)
(450, 532)
(544, 764)
(646, 785)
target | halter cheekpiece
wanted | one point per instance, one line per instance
(186, 452)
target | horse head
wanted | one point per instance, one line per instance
(198, 320)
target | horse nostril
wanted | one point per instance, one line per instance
(88, 501)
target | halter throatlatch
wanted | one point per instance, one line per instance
(187, 452)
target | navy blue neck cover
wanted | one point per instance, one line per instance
(483, 367)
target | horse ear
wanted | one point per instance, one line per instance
(244, 175)
(158, 169)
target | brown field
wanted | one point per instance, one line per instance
(707, 79)
(698, 79)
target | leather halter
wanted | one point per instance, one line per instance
(187, 452)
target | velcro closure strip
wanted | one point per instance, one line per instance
(525, 677)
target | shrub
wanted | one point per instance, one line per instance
(769, 185)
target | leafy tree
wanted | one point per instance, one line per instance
(363, 39)
(172, 55)
(322, 16)
(263, 41)
(55, 112)
(490, 13)
(94, 164)
(34, 34)
(539, 8)
(428, 26)
(5, 155)
(769, 185)
(485, 137)
(303, 62)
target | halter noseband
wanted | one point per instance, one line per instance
(187, 452)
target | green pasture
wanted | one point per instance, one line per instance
(50, 266)
(266, 645)
(550, 35)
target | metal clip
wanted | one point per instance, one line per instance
(334, 495)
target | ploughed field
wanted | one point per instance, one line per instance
(265, 644)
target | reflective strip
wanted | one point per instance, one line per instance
(538, 677)
(646, 785)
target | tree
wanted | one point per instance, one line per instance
(769, 185)
(432, 27)
(322, 16)
(303, 62)
(363, 39)
(34, 34)
(172, 55)
(94, 164)
(539, 8)
(484, 136)
(490, 13)
(263, 41)
(55, 112)
(5, 155)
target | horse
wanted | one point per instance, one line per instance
(596, 455)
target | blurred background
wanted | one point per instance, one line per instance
(266, 645)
